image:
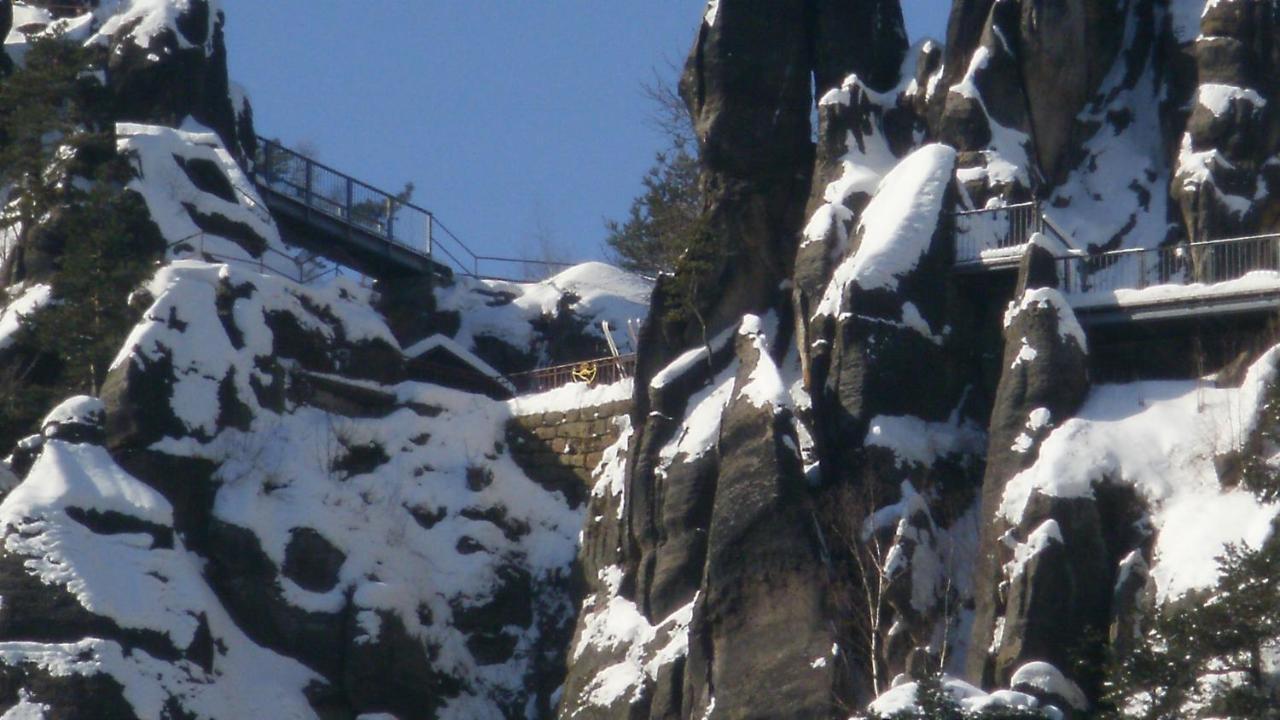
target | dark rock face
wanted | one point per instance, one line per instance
(1033, 592)
(6, 24)
(1228, 163)
(1066, 47)
(178, 74)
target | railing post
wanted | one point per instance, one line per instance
(350, 202)
(1142, 269)
(431, 222)
(266, 170)
(308, 170)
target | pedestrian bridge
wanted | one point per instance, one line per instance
(372, 231)
(1207, 278)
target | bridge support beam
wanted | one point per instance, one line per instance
(408, 303)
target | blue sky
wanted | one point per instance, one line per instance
(521, 123)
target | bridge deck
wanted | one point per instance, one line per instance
(1202, 279)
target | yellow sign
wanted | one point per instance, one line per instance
(585, 373)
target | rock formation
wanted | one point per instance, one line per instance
(849, 465)
(922, 525)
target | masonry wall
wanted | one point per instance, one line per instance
(562, 448)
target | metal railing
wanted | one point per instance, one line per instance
(1207, 262)
(299, 268)
(363, 207)
(601, 371)
(980, 231)
(341, 197)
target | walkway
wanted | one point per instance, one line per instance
(1213, 277)
(357, 225)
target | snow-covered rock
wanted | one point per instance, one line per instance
(517, 326)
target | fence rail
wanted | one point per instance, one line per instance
(300, 268)
(393, 218)
(1207, 262)
(601, 371)
(981, 231)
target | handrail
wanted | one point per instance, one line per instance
(357, 204)
(1080, 272)
(1205, 261)
(302, 278)
(980, 211)
(598, 371)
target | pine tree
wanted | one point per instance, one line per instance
(1205, 656)
(662, 221)
(49, 112)
(102, 262)
(61, 176)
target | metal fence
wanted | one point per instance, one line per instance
(322, 189)
(1207, 262)
(601, 371)
(980, 231)
(376, 212)
(301, 268)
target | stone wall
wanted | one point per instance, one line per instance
(561, 448)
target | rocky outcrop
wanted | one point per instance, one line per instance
(1037, 576)
(164, 75)
(6, 24)
(1227, 158)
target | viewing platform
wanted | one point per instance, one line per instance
(1199, 279)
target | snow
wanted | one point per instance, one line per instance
(1026, 354)
(619, 624)
(1047, 534)
(1218, 98)
(764, 386)
(426, 345)
(868, 157)
(1005, 160)
(81, 409)
(169, 191)
(26, 708)
(688, 359)
(611, 474)
(1069, 328)
(1161, 438)
(1048, 679)
(700, 430)
(503, 310)
(1252, 282)
(572, 396)
(139, 585)
(902, 698)
(182, 325)
(1119, 190)
(29, 299)
(143, 20)
(896, 227)
(712, 13)
(916, 441)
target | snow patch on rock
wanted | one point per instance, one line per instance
(897, 226)
(1161, 438)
